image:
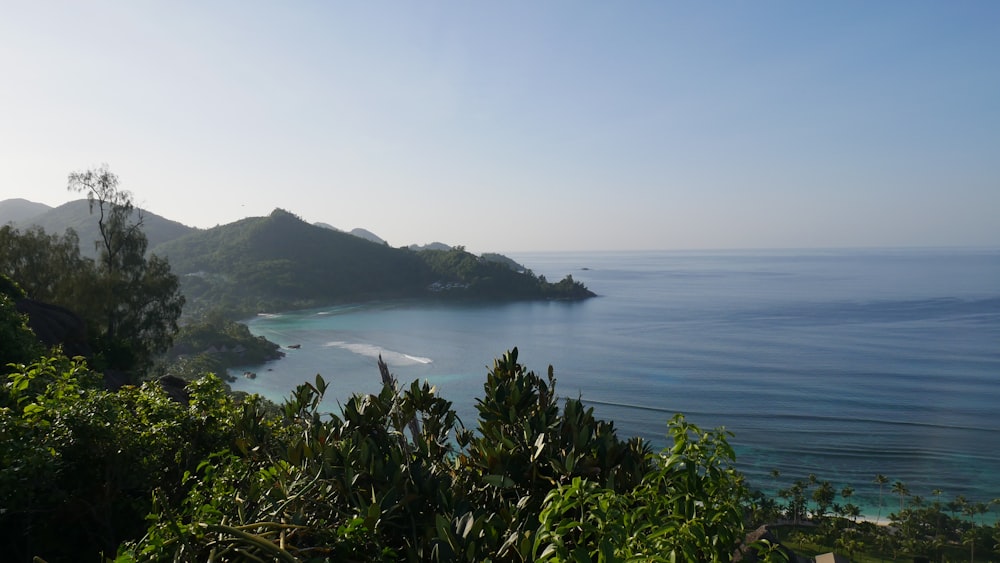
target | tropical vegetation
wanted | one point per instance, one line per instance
(180, 469)
(280, 262)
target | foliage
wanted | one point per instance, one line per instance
(80, 463)
(17, 342)
(940, 531)
(689, 508)
(491, 276)
(76, 215)
(48, 266)
(137, 299)
(500, 258)
(214, 344)
(280, 262)
(525, 447)
(386, 480)
(342, 488)
(129, 301)
(392, 476)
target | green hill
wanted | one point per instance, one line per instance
(19, 210)
(76, 215)
(281, 262)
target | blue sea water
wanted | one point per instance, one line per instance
(839, 363)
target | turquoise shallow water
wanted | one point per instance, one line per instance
(840, 363)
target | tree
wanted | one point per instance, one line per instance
(972, 535)
(690, 507)
(47, 266)
(849, 509)
(80, 466)
(796, 496)
(136, 299)
(881, 481)
(823, 496)
(900, 489)
(847, 492)
(17, 342)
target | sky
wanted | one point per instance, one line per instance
(522, 126)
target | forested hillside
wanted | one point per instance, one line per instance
(77, 216)
(281, 262)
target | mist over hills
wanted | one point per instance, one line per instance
(358, 232)
(18, 210)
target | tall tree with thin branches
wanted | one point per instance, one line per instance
(136, 299)
(900, 489)
(881, 481)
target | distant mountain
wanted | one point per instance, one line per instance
(431, 246)
(19, 210)
(280, 262)
(360, 233)
(76, 215)
(367, 235)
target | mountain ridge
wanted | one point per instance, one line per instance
(18, 210)
(76, 215)
(281, 262)
(23, 213)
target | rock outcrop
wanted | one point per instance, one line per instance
(56, 326)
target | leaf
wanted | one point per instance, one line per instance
(539, 447)
(501, 481)
(465, 523)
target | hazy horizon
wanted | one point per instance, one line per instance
(523, 127)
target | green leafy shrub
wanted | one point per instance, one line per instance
(80, 464)
(393, 476)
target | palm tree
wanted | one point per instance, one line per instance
(937, 509)
(970, 536)
(853, 511)
(957, 505)
(846, 493)
(824, 496)
(900, 489)
(881, 480)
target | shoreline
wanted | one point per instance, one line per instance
(774, 438)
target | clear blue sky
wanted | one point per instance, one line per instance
(517, 126)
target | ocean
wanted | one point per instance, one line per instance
(839, 363)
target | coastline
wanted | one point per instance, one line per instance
(819, 362)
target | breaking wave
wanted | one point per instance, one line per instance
(390, 357)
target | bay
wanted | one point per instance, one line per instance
(839, 363)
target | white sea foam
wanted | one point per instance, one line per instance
(390, 357)
(269, 315)
(418, 359)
